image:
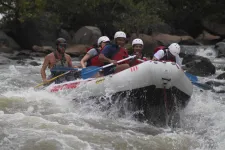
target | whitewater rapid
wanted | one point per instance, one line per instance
(36, 119)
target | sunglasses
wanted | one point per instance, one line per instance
(63, 45)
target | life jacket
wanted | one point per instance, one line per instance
(120, 54)
(168, 56)
(158, 48)
(94, 61)
(60, 63)
(138, 61)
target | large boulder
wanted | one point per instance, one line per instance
(207, 38)
(87, 35)
(76, 50)
(167, 39)
(4, 61)
(7, 44)
(198, 65)
(43, 49)
(160, 28)
(221, 76)
(220, 47)
(214, 27)
(65, 34)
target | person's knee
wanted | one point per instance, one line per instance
(122, 67)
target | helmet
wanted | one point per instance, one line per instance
(137, 41)
(60, 40)
(174, 49)
(103, 39)
(120, 34)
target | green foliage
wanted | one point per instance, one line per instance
(30, 9)
(22, 9)
(128, 15)
(140, 16)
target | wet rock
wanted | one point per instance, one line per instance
(214, 83)
(214, 27)
(4, 60)
(20, 57)
(34, 63)
(167, 39)
(23, 53)
(37, 54)
(64, 34)
(6, 49)
(198, 65)
(43, 49)
(207, 39)
(221, 76)
(160, 28)
(220, 47)
(8, 41)
(76, 50)
(87, 35)
(21, 62)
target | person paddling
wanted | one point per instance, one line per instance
(58, 58)
(137, 45)
(168, 54)
(91, 57)
(111, 53)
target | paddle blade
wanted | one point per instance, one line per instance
(191, 77)
(52, 79)
(203, 86)
(89, 72)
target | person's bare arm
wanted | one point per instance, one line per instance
(44, 66)
(69, 60)
(102, 58)
(154, 59)
(84, 60)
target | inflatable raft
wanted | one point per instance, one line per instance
(147, 85)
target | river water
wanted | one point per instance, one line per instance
(37, 120)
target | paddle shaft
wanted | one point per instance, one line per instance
(52, 79)
(65, 69)
(91, 73)
(130, 57)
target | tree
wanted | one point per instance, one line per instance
(21, 10)
(137, 15)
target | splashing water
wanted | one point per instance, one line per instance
(36, 119)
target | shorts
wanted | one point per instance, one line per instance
(71, 76)
(109, 70)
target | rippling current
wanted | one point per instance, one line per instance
(37, 120)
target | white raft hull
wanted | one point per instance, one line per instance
(160, 74)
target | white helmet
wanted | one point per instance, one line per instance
(174, 49)
(103, 39)
(120, 34)
(137, 41)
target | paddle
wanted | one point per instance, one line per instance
(194, 81)
(191, 77)
(87, 74)
(73, 69)
(52, 79)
